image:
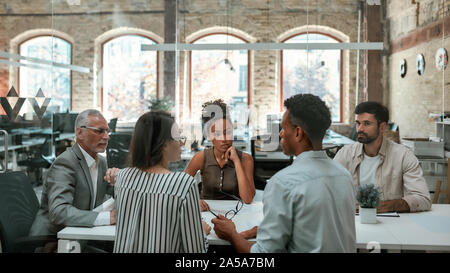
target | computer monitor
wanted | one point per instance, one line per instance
(64, 122)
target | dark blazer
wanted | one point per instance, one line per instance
(67, 195)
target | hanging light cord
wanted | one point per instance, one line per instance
(307, 47)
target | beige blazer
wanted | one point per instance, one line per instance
(399, 175)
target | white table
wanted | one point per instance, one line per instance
(424, 230)
(249, 216)
(271, 156)
(411, 231)
(332, 138)
(376, 235)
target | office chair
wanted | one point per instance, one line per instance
(112, 125)
(117, 150)
(37, 160)
(332, 151)
(392, 132)
(260, 182)
(18, 208)
(353, 133)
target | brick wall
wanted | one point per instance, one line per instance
(263, 20)
(413, 29)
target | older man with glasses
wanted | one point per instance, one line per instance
(75, 183)
(309, 205)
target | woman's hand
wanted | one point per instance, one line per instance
(204, 206)
(206, 227)
(231, 154)
(112, 217)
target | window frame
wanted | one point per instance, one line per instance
(341, 68)
(190, 66)
(71, 61)
(118, 36)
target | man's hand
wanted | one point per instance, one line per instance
(250, 233)
(111, 174)
(206, 227)
(112, 217)
(224, 227)
(203, 205)
(398, 205)
(226, 230)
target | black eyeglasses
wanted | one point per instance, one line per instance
(99, 131)
(181, 139)
(232, 212)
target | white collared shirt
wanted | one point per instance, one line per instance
(103, 218)
(309, 206)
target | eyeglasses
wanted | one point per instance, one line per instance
(99, 131)
(365, 123)
(181, 139)
(232, 212)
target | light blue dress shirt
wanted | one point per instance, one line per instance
(309, 206)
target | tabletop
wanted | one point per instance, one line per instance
(428, 230)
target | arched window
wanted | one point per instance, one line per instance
(317, 71)
(129, 77)
(54, 81)
(219, 74)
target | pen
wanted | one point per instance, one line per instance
(384, 215)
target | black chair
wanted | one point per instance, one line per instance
(117, 150)
(18, 208)
(112, 125)
(264, 170)
(392, 126)
(37, 159)
(332, 151)
(353, 133)
(260, 181)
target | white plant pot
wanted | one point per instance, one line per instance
(368, 215)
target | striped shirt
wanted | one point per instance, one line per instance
(157, 213)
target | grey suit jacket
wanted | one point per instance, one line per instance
(67, 195)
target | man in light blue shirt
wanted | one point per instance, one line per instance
(309, 206)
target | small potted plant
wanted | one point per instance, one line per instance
(160, 104)
(368, 197)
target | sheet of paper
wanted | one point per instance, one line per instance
(393, 214)
(386, 214)
(108, 205)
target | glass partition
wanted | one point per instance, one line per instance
(58, 58)
(129, 77)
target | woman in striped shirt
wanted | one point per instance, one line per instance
(156, 210)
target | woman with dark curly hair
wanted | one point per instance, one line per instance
(226, 172)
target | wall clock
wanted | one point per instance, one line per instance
(420, 64)
(403, 68)
(441, 59)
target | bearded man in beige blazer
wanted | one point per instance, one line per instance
(392, 167)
